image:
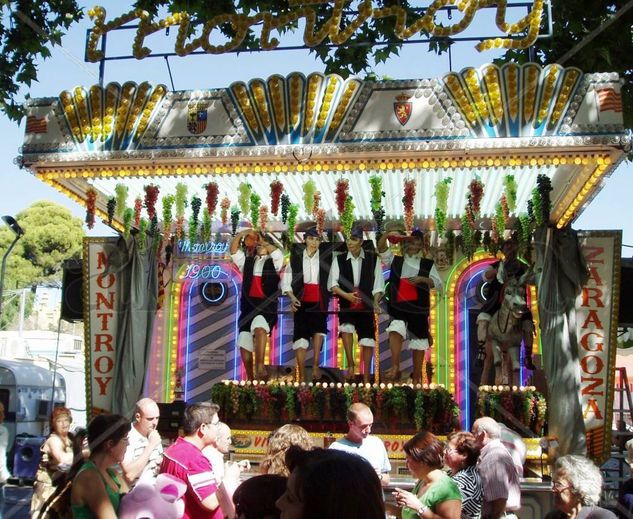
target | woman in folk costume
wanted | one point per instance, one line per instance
(410, 281)
(356, 278)
(258, 303)
(305, 284)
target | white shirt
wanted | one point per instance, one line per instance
(310, 272)
(239, 258)
(411, 267)
(379, 282)
(216, 458)
(372, 449)
(136, 445)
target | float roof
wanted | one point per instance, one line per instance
(484, 123)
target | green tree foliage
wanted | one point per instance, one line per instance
(590, 34)
(593, 35)
(51, 236)
(28, 28)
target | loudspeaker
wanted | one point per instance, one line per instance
(72, 291)
(625, 314)
(171, 415)
(27, 456)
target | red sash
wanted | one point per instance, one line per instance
(311, 293)
(257, 289)
(407, 291)
(360, 304)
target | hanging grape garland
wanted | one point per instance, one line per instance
(200, 226)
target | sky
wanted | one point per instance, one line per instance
(610, 209)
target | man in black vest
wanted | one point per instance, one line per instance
(410, 281)
(356, 278)
(305, 284)
(258, 304)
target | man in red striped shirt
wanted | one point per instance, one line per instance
(184, 460)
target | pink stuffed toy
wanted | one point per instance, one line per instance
(161, 500)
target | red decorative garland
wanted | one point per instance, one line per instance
(471, 216)
(212, 197)
(180, 227)
(317, 202)
(263, 217)
(320, 220)
(342, 192)
(276, 189)
(151, 197)
(91, 202)
(505, 209)
(138, 205)
(407, 202)
(225, 205)
(476, 194)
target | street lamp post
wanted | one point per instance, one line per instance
(19, 232)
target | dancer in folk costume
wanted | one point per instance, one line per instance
(258, 303)
(305, 284)
(410, 281)
(356, 278)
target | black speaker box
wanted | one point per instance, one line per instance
(171, 415)
(27, 456)
(72, 292)
(625, 315)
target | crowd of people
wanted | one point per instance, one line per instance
(471, 475)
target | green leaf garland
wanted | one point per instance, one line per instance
(255, 202)
(347, 217)
(309, 188)
(244, 198)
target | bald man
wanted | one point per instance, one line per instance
(145, 450)
(499, 477)
(215, 452)
(361, 442)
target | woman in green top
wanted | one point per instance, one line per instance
(436, 495)
(96, 489)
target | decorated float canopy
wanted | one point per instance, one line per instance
(503, 126)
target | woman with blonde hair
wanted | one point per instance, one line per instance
(278, 443)
(57, 458)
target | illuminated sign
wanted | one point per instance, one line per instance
(196, 271)
(522, 33)
(187, 247)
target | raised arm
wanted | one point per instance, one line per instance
(382, 246)
(132, 469)
(237, 239)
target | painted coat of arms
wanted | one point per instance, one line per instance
(197, 113)
(402, 108)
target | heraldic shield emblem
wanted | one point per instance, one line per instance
(197, 117)
(402, 108)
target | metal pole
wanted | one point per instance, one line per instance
(4, 267)
(59, 329)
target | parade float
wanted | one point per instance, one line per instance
(470, 158)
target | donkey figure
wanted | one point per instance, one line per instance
(505, 333)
